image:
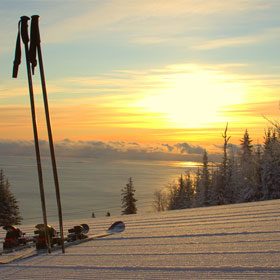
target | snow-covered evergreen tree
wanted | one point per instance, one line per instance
(203, 183)
(189, 191)
(247, 169)
(205, 180)
(246, 148)
(258, 172)
(128, 200)
(180, 194)
(198, 200)
(271, 166)
(214, 183)
(233, 188)
(173, 195)
(222, 179)
(9, 210)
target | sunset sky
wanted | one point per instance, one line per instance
(150, 72)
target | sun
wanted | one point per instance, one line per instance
(194, 98)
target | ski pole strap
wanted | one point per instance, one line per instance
(23, 33)
(17, 59)
(34, 41)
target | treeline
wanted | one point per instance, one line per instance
(249, 173)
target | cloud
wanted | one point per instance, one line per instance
(189, 149)
(156, 104)
(263, 36)
(256, 109)
(152, 21)
(118, 150)
(143, 22)
(169, 147)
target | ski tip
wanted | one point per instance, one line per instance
(116, 227)
(86, 227)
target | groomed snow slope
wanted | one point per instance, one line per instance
(239, 241)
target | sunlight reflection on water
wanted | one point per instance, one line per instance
(185, 164)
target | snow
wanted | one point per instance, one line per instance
(240, 241)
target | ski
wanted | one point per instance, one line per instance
(27, 251)
(116, 227)
(6, 258)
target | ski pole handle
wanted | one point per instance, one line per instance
(34, 41)
(35, 29)
(24, 29)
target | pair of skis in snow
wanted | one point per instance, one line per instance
(29, 251)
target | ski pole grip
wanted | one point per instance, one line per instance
(35, 28)
(24, 29)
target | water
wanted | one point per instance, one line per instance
(87, 185)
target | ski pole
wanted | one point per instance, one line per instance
(23, 32)
(35, 45)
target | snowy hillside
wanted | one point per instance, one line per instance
(239, 241)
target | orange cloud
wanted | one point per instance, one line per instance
(176, 103)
